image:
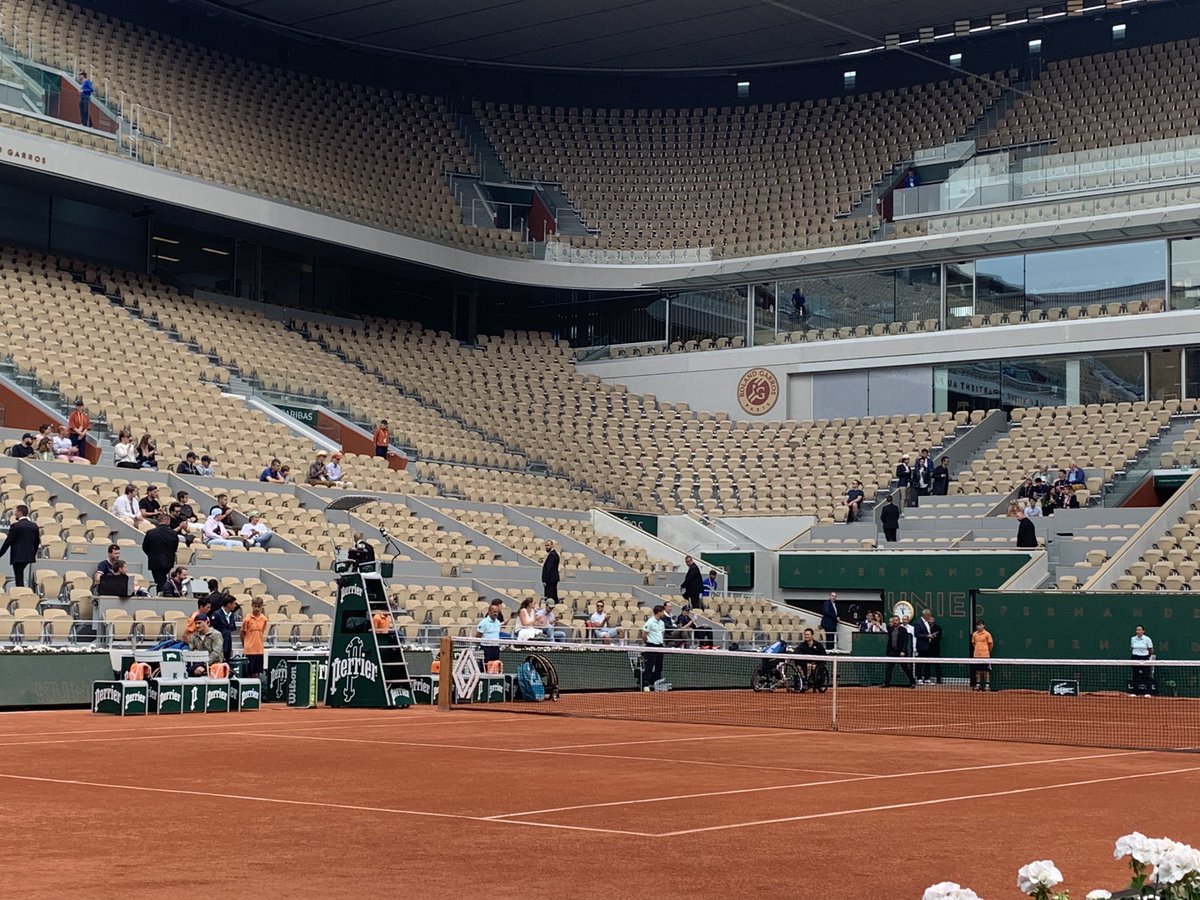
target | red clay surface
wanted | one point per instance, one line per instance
(420, 803)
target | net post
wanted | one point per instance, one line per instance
(445, 673)
(833, 725)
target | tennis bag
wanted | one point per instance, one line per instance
(529, 682)
(549, 675)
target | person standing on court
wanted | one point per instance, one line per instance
(224, 620)
(829, 621)
(1141, 648)
(1026, 533)
(254, 628)
(654, 634)
(981, 649)
(23, 539)
(86, 88)
(899, 643)
(489, 629)
(160, 545)
(550, 575)
(929, 645)
(889, 519)
(693, 584)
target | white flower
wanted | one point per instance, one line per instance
(1141, 848)
(1041, 873)
(948, 890)
(1176, 862)
(1098, 894)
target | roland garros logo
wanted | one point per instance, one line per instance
(757, 391)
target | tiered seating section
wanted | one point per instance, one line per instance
(426, 536)
(744, 180)
(1172, 564)
(1104, 436)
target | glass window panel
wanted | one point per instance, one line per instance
(857, 302)
(1185, 275)
(960, 294)
(1192, 357)
(1033, 382)
(1114, 377)
(1086, 276)
(919, 294)
(709, 315)
(999, 287)
(967, 388)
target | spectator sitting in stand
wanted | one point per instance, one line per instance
(1033, 509)
(176, 584)
(1076, 477)
(553, 631)
(64, 449)
(223, 511)
(854, 501)
(205, 469)
(24, 449)
(149, 504)
(599, 624)
(179, 524)
(127, 509)
(147, 452)
(333, 471)
(108, 565)
(316, 471)
(186, 512)
(217, 535)
(285, 474)
(1064, 498)
(1025, 491)
(120, 567)
(124, 453)
(1040, 487)
(710, 584)
(254, 532)
(44, 450)
(1061, 480)
(188, 466)
(271, 473)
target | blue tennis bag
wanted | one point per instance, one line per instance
(529, 682)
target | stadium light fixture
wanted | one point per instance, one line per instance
(956, 60)
(166, 258)
(215, 250)
(164, 240)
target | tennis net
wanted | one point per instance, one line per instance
(1098, 703)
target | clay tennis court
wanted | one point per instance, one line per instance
(419, 802)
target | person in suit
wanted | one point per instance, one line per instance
(1026, 532)
(23, 539)
(941, 477)
(224, 621)
(904, 474)
(899, 643)
(929, 645)
(889, 519)
(829, 621)
(160, 546)
(550, 576)
(693, 584)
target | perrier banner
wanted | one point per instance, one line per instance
(356, 671)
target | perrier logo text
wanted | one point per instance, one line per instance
(353, 665)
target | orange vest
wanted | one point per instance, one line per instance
(253, 628)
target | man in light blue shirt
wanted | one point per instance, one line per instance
(489, 629)
(1141, 647)
(653, 632)
(85, 100)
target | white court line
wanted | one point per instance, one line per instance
(940, 800)
(778, 732)
(482, 749)
(184, 725)
(810, 784)
(310, 803)
(975, 724)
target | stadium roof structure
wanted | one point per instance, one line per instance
(641, 34)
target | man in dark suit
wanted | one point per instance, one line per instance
(550, 574)
(889, 519)
(24, 538)
(1026, 532)
(160, 545)
(224, 621)
(929, 645)
(899, 643)
(693, 584)
(829, 621)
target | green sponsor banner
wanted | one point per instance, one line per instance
(739, 569)
(644, 521)
(941, 582)
(217, 698)
(195, 696)
(425, 687)
(301, 414)
(51, 679)
(1079, 625)
(356, 673)
(301, 683)
(120, 698)
(166, 697)
(245, 694)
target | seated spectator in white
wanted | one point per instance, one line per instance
(188, 466)
(206, 640)
(1033, 509)
(316, 471)
(176, 584)
(23, 450)
(124, 453)
(333, 471)
(206, 466)
(271, 473)
(599, 624)
(44, 450)
(64, 447)
(530, 622)
(147, 452)
(149, 504)
(108, 565)
(254, 532)
(217, 535)
(127, 509)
